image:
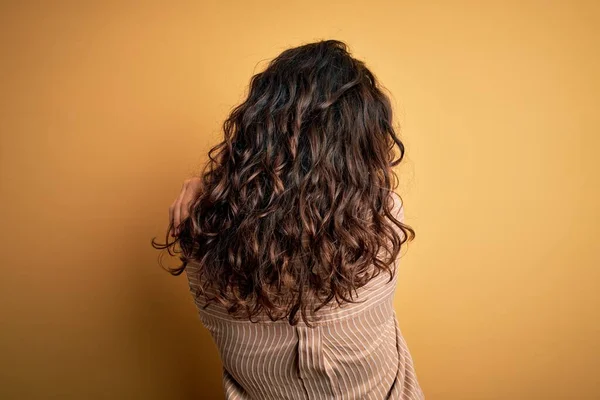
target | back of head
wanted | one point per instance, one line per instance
(296, 203)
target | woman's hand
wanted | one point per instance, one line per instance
(179, 210)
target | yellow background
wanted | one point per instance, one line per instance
(106, 108)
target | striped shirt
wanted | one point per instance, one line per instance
(354, 351)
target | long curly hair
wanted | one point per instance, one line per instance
(295, 209)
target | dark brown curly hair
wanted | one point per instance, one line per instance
(296, 201)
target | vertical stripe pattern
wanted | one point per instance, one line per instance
(353, 352)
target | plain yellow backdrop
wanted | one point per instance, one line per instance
(108, 106)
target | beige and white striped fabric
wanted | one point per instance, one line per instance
(354, 352)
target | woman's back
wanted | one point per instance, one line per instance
(296, 221)
(355, 351)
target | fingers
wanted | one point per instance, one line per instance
(188, 197)
(180, 209)
(171, 212)
(177, 208)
